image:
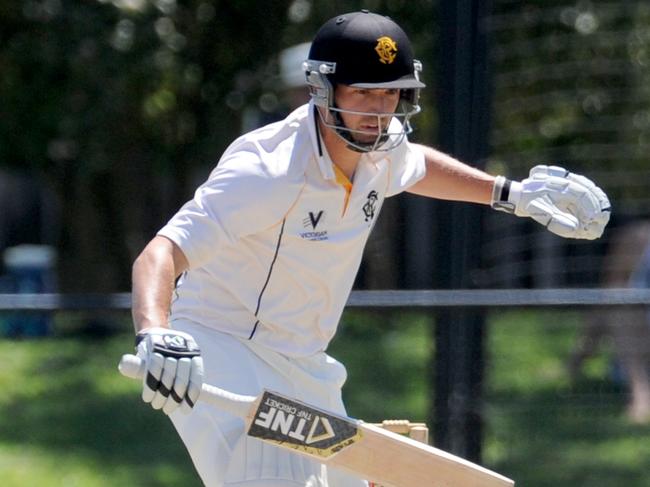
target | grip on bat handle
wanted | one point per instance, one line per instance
(133, 367)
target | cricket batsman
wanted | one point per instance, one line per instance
(245, 285)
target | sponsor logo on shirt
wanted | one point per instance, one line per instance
(312, 221)
(314, 236)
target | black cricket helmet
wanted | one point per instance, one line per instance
(364, 50)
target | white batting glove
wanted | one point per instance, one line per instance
(567, 204)
(174, 374)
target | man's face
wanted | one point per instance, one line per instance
(369, 101)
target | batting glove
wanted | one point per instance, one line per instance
(567, 204)
(174, 374)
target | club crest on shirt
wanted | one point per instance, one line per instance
(371, 205)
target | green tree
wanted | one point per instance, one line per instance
(123, 106)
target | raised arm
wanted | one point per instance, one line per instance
(567, 204)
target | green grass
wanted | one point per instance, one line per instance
(67, 418)
(387, 359)
(544, 430)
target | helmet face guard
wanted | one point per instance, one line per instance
(393, 126)
(368, 51)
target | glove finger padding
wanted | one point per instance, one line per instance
(542, 171)
(574, 198)
(600, 196)
(181, 381)
(151, 380)
(166, 383)
(574, 213)
(590, 206)
(543, 211)
(602, 201)
(194, 386)
(178, 393)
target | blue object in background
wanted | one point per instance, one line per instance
(30, 269)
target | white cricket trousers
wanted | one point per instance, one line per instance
(221, 452)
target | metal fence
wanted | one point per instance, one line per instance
(487, 298)
(528, 410)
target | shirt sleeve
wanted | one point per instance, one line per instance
(407, 167)
(241, 197)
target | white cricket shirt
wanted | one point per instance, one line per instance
(275, 236)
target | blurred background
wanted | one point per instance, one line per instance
(112, 112)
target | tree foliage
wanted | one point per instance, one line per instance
(122, 106)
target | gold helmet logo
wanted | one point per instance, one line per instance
(387, 49)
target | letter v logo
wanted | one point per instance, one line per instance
(315, 219)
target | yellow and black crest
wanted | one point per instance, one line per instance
(387, 49)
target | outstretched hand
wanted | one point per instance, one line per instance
(567, 204)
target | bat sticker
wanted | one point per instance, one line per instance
(295, 425)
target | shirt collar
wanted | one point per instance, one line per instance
(325, 164)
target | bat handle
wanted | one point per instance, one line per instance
(133, 367)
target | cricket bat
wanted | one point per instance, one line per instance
(362, 449)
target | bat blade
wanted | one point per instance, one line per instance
(393, 460)
(365, 450)
(362, 449)
(359, 448)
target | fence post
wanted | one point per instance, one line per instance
(464, 109)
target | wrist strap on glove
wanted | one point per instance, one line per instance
(169, 344)
(501, 195)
